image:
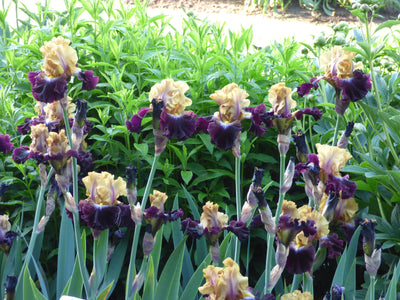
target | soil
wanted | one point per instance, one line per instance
(292, 13)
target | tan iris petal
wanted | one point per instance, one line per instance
(158, 199)
(290, 208)
(332, 159)
(321, 223)
(345, 211)
(281, 98)
(59, 57)
(211, 217)
(231, 100)
(5, 225)
(103, 189)
(57, 143)
(54, 111)
(172, 93)
(211, 276)
(297, 295)
(39, 135)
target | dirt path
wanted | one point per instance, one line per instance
(266, 29)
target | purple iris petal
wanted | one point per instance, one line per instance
(172, 215)
(151, 212)
(356, 87)
(40, 157)
(337, 292)
(300, 260)
(287, 229)
(261, 119)
(98, 217)
(89, 81)
(46, 89)
(134, 125)
(202, 124)
(239, 229)
(333, 245)
(7, 238)
(305, 88)
(343, 184)
(308, 228)
(191, 228)
(85, 161)
(5, 145)
(124, 217)
(256, 221)
(21, 154)
(182, 126)
(314, 111)
(26, 127)
(224, 136)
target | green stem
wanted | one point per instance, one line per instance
(136, 231)
(75, 213)
(238, 206)
(35, 234)
(271, 238)
(372, 287)
(296, 282)
(308, 284)
(335, 135)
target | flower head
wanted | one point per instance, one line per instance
(280, 97)
(332, 159)
(297, 295)
(5, 145)
(225, 283)
(6, 235)
(211, 218)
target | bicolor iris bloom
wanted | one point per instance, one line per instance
(168, 103)
(225, 283)
(297, 295)
(6, 235)
(344, 75)
(101, 210)
(212, 224)
(155, 217)
(224, 127)
(60, 63)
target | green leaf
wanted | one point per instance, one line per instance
(168, 285)
(191, 289)
(100, 258)
(186, 176)
(392, 289)
(66, 253)
(156, 253)
(30, 291)
(104, 293)
(387, 24)
(142, 148)
(148, 290)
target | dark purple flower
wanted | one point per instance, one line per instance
(47, 89)
(368, 234)
(300, 260)
(341, 184)
(5, 145)
(356, 87)
(85, 161)
(89, 81)
(337, 292)
(261, 119)
(202, 124)
(21, 154)
(332, 244)
(222, 135)
(191, 228)
(124, 217)
(305, 88)
(312, 167)
(182, 126)
(239, 229)
(287, 229)
(314, 112)
(134, 125)
(256, 221)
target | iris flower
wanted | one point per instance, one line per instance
(5, 145)
(168, 103)
(60, 63)
(212, 224)
(225, 283)
(224, 126)
(297, 295)
(101, 210)
(6, 235)
(372, 252)
(344, 75)
(155, 217)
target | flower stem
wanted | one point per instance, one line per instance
(335, 135)
(35, 234)
(271, 238)
(372, 287)
(136, 231)
(75, 213)
(238, 206)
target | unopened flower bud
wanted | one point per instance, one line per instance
(148, 242)
(281, 255)
(283, 143)
(368, 233)
(330, 206)
(344, 139)
(10, 284)
(42, 224)
(137, 213)
(267, 219)
(214, 251)
(137, 282)
(131, 174)
(301, 146)
(70, 202)
(365, 7)
(43, 175)
(373, 262)
(79, 123)
(288, 176)
(247, 211)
